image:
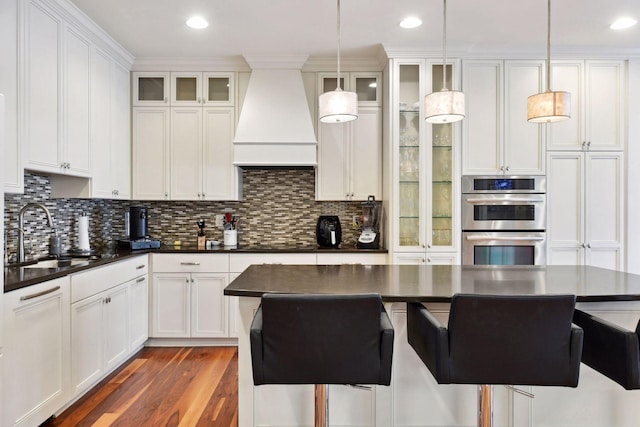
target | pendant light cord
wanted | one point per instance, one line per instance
(444, 47)
(548, 46)
(338, 30)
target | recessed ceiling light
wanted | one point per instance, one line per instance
(411, 22)
(197, 22)
(622, 23)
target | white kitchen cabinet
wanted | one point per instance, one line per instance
(350, 154)
(150, 89)
(597, 90)
(184, 151)
(190, 89)
(420, 258)
(36, 352)
(202, 154)
(56, 64)
(424, 203)
(187, 296)
(110, 129)
(106, 319)
(138, 312)
(110, 133)
(99, 336)
(496, 135)
(150, 165)
(585, 209)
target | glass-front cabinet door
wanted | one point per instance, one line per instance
(427, 191)
(202, 89)
(150, 89)
(219, 89)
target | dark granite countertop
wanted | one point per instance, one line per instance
(20, 277)
(438, 283)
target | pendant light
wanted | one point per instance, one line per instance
(445, 106)
(548, 107)
(338, 106)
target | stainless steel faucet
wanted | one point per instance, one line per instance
(21, 226)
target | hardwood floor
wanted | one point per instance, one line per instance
(163, 386)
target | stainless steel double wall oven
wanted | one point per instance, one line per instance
(504, 220)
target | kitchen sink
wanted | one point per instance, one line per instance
(58, 263)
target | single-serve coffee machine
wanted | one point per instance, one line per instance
(138, 230)
(370, 235)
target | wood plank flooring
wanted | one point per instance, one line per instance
(163, 386)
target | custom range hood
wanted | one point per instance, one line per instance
(275, 126)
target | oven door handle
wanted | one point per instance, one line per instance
(515, 238)
(503, 201)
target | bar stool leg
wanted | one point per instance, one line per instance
(485, 405)
(321, 406)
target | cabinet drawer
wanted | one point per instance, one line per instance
(99, 279)
(364, 259)
(189, 263)
(239, 262)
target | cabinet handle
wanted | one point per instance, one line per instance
(166, 195)
(203, 195)
(190, 263)
(429, 260)
(507, 168)
(584, 246)
(140, 280)
(429, 246)
(192, 280)
(588, 145)
(39, 294)
(186, 280)
(140, 267)
(583, 144)
(424, 261)
(589, 245)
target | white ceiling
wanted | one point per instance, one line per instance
(155, 28)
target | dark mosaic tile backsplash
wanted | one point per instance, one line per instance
(279, 208)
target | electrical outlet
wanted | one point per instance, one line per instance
(219, 221)
(354, 222)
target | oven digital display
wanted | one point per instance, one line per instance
(503, 184)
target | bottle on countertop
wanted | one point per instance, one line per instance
(202, 234)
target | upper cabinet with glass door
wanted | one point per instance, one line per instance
(365, 84)
(425, 193)
(185, 89)
(150, 89)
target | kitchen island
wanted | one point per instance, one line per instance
(414, 399)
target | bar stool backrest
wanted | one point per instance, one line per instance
(517, 340)
(320, 339)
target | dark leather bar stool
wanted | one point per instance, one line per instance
(321, 339)
(497, 339)
(610, 349)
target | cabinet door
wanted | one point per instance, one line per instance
(524, 145)
(568, 76)
(220, 178)
(101, 113)
(138, 312)
(208, 305)
(186, 153)
(565, 208)
(233, 304)
(171, 307)
(120, 132)
(36, 352)
(116, 321)
(87, 342)
(604, 209)
(150, 89)
(443, 259)
(42, 95)
(218, 89)
(77, 84)
(368, 87)
(150, 153)
(186, 89)
(482, 127)
(331, 174)
(605, 105)
(365, 154)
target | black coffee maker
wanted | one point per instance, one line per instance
(328, 231)
(138, 230)
(138, 223)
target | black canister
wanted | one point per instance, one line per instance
(138, 222)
